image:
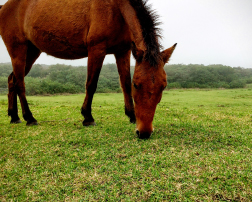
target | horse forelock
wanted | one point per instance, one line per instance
(149, 22)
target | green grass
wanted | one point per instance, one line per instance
(200, 150)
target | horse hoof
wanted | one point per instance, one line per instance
(34, 123)
(133, 120)
(88, 123)
(15, 122)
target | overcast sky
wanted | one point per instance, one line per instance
(207, 32)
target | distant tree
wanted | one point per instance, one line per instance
(67, 79)
(38, 71)
(3, 82)
(5, 69)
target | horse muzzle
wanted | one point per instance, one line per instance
(143, 135)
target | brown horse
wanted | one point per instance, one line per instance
(88, 28)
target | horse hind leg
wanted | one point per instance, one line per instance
(12, 100)
(32, 55)
(23, 57)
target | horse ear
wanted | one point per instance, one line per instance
(137, 53)
(166, 54)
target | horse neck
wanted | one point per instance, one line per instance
(130, 17)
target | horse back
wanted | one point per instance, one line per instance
(66, 29)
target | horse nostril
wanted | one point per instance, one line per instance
(143, 135)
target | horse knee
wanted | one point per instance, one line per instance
(11, 84)
(91, 89)
(20, 87)
(128, 88)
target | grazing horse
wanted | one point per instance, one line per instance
(88, 28)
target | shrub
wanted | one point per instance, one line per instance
(3, 82)
(173, 85)
(237, 84)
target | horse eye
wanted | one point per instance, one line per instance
(135, 86)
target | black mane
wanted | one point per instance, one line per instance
(148, 20)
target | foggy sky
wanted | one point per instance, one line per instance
(207, 32)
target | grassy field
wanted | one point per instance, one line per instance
(200, 150)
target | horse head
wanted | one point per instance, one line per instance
(147, 87)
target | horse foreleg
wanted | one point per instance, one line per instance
(12, 100)
(95, 60)
(123, 65)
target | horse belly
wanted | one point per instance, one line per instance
(61, 34)
(60, 46)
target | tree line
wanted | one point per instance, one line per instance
(60, 78)
(211, 76)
